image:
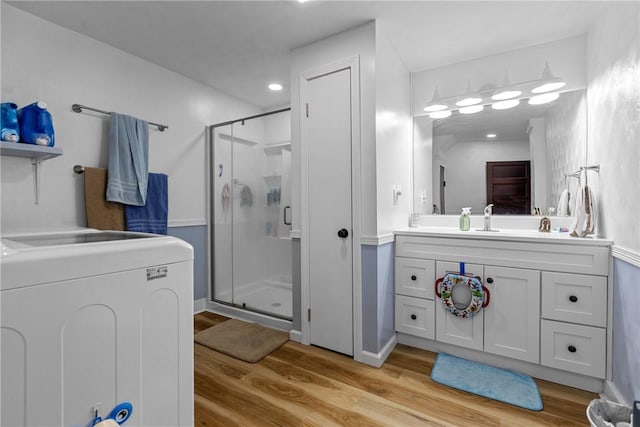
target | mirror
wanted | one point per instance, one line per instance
(458, 164)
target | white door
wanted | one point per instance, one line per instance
(512, 319)
(457, 330)
(329, 211)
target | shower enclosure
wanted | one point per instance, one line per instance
(250, 165)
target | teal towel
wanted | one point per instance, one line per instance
(128, 160)
(152, 217)
(495, 383)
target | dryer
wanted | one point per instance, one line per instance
(90, 319)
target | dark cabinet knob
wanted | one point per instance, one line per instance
(413, 277)
(573, 298)
(489, 280)
(571, 349)
(343, 233)
(414, 317)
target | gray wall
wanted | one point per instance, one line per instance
(196, 236)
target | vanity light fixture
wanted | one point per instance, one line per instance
(440, 114)
(471, 109)
(275, 86)
(506, 92)
(470, 98)
(548, 82)
(435, 104)
(504, 105)
(545, 98)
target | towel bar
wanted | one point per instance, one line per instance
(78, 169)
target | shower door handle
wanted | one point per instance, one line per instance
(284, 215)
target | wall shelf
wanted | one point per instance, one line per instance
(34, 152)
(37, 153)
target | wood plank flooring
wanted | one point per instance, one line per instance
(300, 385)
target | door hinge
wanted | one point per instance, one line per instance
(307, 109)
(309, 315)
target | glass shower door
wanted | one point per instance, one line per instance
(251, 192)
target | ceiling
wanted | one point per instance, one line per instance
(238, 47)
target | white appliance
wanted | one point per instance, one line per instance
(91, 319)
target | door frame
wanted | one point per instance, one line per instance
(352, 63)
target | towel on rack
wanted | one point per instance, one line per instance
(563, 203)
(101, 214)
(585, 211)
(152, 217)
(128, 160)
(246, 196)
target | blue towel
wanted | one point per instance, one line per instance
(128, 160)
(152, 217)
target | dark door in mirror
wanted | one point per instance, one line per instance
(509, 187)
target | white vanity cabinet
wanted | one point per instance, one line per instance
(548, 298)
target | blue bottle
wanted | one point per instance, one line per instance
(36, 125)
(9, 130)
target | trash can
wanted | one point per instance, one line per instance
(603, 413)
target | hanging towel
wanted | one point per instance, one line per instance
(128, 160)
(585, 212)
(101, 214)
(563, 203)
(152, 217)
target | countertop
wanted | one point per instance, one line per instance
(512, 235)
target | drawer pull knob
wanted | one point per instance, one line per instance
(573, 298)
(414, 317)
(489, 280)
(413, 277)
(571, 349)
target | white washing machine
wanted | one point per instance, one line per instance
(91, 319)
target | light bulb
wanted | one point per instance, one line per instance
(472, 109)
(472, 100)
(435, 107)
(548, 87)
(506, 94)
(440, 114)
(544, 98)
(503, 105)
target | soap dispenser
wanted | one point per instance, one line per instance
(465, 219)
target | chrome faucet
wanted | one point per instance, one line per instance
(487, 218)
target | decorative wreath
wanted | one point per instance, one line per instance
(479, 294)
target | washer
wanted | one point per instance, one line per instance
(91, 319)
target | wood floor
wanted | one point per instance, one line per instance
(300, 385)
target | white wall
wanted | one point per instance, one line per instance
(614, 122)
(42, 61)
(423, 177)
(465, 170)
(538, 155)
(360, 42)
(393, 135)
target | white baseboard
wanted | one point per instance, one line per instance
(377, 360)
(611, 393)
(295, 336)
(199, 305)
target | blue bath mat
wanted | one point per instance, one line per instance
(499, 384)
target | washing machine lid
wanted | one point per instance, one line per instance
(71, 238)
(31, 259)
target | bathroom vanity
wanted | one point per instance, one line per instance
(548, 313)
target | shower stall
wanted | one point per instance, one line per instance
(250, 215)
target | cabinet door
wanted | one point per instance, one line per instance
(512, 319)
(452, 329)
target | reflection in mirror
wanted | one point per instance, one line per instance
(516, 158)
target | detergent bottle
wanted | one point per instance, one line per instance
(36, 125)
(9, 130)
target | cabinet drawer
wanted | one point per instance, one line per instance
(415, 316)
(415, 277)
(574, 298)
(576, 348)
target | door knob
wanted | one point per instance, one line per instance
(343, 233)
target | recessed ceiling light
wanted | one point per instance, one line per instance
(491, 135)
(275, 86)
